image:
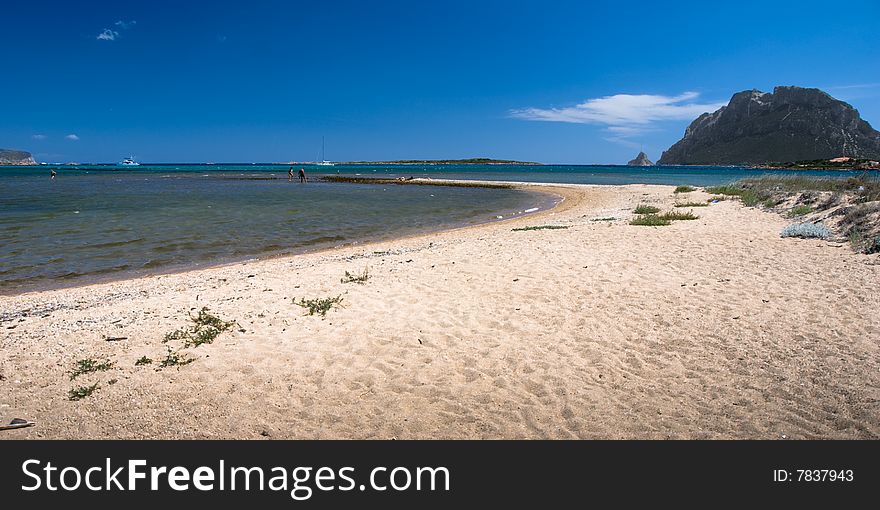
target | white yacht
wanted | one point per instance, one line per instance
(129, 161)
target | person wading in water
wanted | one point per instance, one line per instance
(302, 176)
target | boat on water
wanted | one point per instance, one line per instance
(129, 161)
(323, 161)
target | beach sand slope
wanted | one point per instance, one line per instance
(712, 328)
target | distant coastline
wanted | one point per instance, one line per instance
(469, 161)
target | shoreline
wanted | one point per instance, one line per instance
(133, 274)
(711, 328)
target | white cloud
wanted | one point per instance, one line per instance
(39, 137)
(72, 137)
(108, 35)
(625, 115)
(111, 35)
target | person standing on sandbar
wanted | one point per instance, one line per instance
(302, 176)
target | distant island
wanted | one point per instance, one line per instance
(469, 161)
(641, 160)
(789, 124)
(16, 157)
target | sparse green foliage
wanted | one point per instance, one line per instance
(143, 360)
(175, 359)
(684, 189)
(87, 366)
(540, 227)
(610, 218)
(319, 306)
(800, 210)
(646, 209)
(678, 215)
(81, 392)
(649, 220)
(357, 278)
(205, 329)
(693, 204)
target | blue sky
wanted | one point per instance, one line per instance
(556, 82)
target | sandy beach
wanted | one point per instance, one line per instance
(711, 328)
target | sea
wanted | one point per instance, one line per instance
(100, 222)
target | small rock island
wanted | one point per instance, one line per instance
(641, 160)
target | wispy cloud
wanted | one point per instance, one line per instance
(624, 115)
(72, 137)
(109, 34)
(855, 86)
(39, 137)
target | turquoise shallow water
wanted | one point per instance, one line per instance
(97, 225)
(101, 222)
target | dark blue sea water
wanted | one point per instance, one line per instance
(101, 221)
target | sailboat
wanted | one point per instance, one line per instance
(323, 161)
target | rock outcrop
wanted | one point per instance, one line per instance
(791, 124)
(14, 157)
(641, 160)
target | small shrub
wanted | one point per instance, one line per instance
(319, 306)
(604, 219)
(693, 204)
(81, 392)
(540, 227)
(806, 231)
(685, 189)
(87, 366)
(678, 215)
(716, 198)
(646, 209)
(750, 198)
(356, 278)
(649, 220)
(873, 246)
(799, 210)
(143, 361)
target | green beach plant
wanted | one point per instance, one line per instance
(693, 204)
(319, 306)
(81, 392)
(175, 359)
(646, 209)
(679, 215)
(89, 365)
(205, 329)
(649, 220)
(685, 189)
(800, 210)
(143, 360)
(356, 278)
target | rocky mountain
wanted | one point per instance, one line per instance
(14, 157)
(641, 160)
(791, 124)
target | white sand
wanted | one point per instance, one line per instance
(714, 328)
